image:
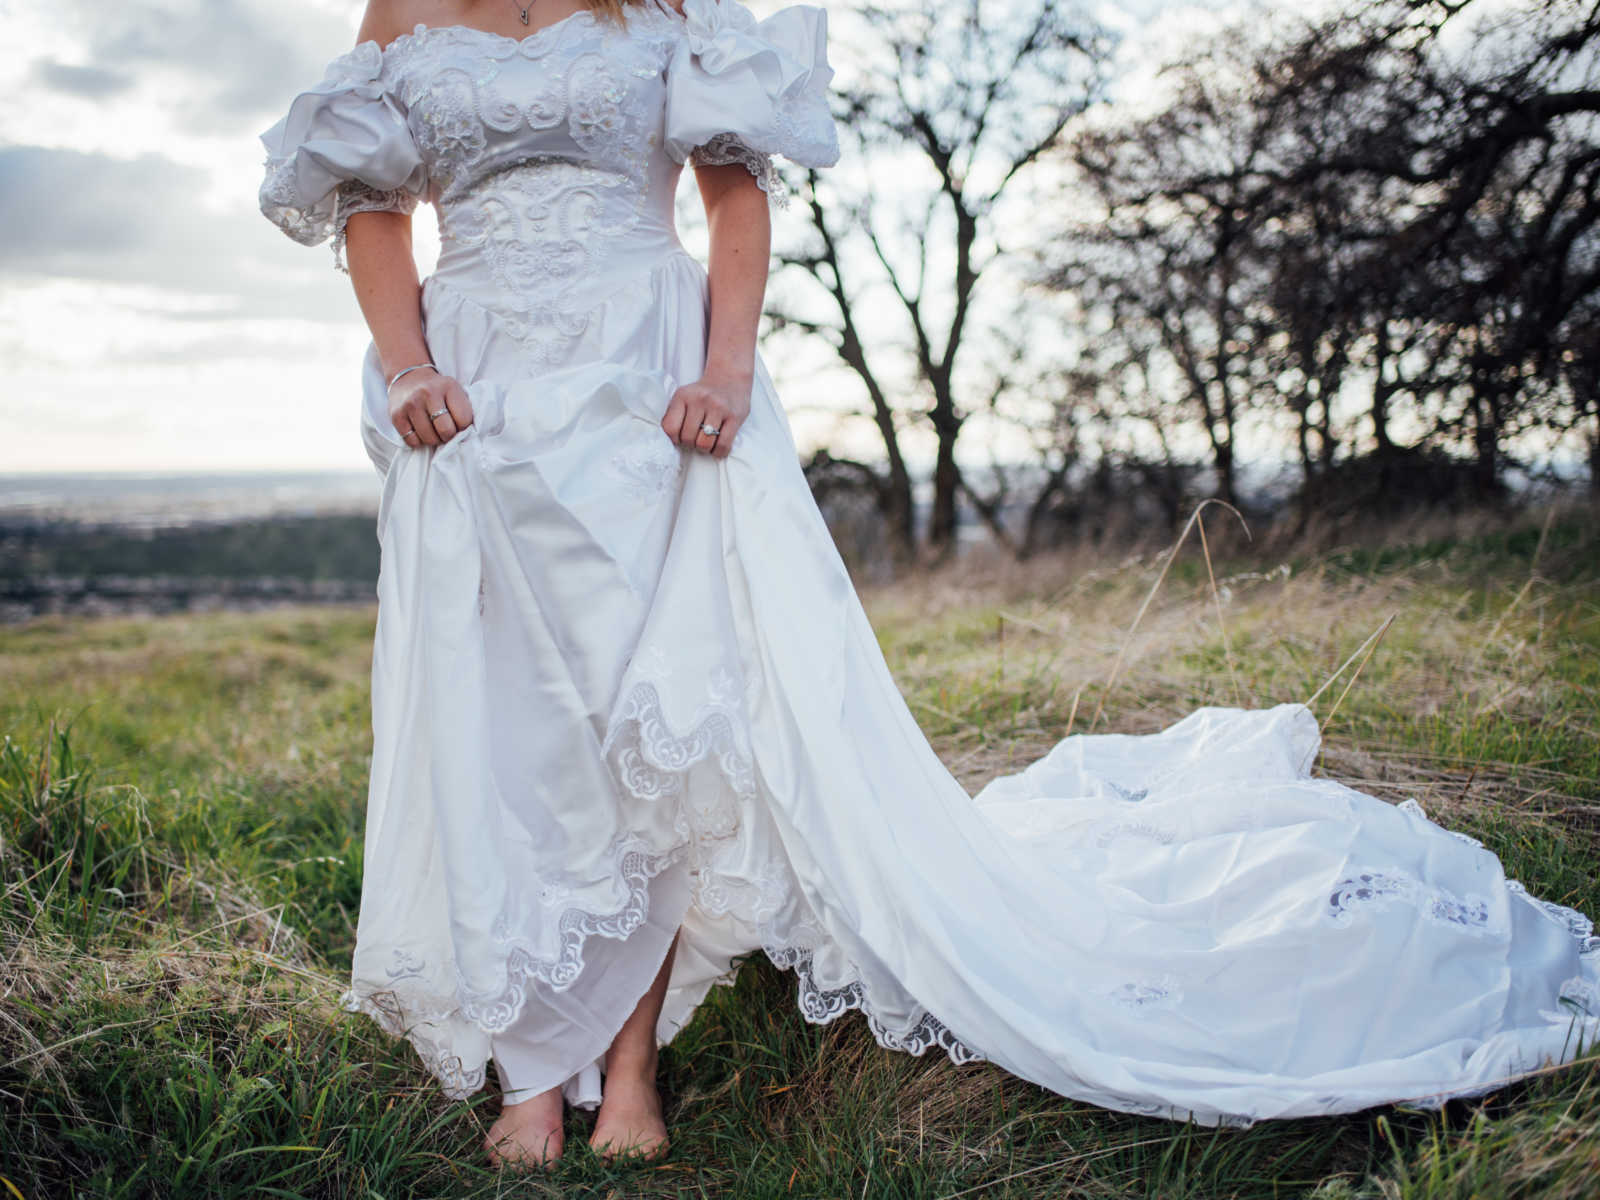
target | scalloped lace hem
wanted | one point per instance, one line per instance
(455, 1080)
(408, 1016)
(651, 761)
(822, 1005)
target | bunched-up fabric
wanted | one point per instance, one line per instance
(622, 689)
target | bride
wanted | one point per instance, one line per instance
(631, 723)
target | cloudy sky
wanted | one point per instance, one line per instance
(151, 319)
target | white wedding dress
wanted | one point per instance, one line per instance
(620, 687)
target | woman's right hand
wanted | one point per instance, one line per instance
(427, 408)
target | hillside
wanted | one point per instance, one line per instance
(181, 803)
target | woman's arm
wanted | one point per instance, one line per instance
(741, 248)
(378, 252)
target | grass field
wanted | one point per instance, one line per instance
(181, 806)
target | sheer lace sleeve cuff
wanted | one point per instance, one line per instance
(724, 148)
(353, 196)
(747, 91)
(343, 147)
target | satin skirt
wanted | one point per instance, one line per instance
(622, 689)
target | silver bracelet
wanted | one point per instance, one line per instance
(408, 371)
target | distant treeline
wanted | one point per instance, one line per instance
(67, 567)
(341, 547)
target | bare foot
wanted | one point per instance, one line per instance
(630, 1124)
(528, 1133)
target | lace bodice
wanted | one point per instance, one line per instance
(586, 121)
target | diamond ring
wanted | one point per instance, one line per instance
(440, 413)
(709, 430)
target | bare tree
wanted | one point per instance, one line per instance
(951, 108)
(1168, 243)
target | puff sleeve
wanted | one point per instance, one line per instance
(742, 90)
(343, 147)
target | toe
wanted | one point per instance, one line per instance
(511, 1149)
(641, 1146)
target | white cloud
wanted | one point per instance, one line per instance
(152, 317)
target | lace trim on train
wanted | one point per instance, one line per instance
(1580, 927)
(822, 1005)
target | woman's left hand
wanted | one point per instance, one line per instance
(720, 401)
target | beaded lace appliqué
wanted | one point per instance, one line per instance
(1373, 889)
(648, 467)
(446, 79)
(544, 222)
(1149, 995)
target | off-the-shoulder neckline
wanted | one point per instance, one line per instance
(420, 29)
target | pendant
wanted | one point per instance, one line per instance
(524, 15)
